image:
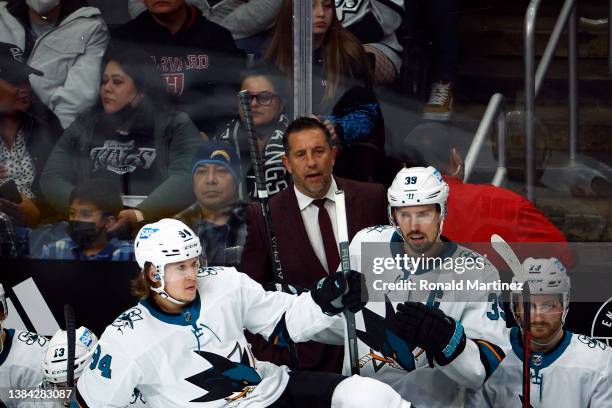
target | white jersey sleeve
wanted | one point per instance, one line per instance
(111, 377)
(21, 364)
(266, 312)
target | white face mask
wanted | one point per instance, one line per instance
(42, 7)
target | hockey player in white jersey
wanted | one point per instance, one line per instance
(429, 344)
(20, 355)
(183, 344)
(566, 369)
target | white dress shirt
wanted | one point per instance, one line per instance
(310, 216)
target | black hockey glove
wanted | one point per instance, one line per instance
(431, 330)
(335, 292)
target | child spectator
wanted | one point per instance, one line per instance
(93, 206)
(65, 39)
(130, 137)
(217, 217)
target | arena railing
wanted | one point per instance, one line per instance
(534, 79)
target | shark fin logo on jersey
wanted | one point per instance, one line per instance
(126, 320)
(377, 228)
(32, 338)
(225, 379)
(380, 336)
(602, 324)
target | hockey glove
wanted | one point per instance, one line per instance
(431, 330)
(335, 292)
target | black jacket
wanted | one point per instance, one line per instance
(200, 64)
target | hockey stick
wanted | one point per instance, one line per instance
(505, 251)
(71, 337)
(262, 195)
(262, 191)
(345, 263)
(526, 345)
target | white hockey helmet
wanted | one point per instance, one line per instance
(417, 186)
(55, 359)
(546, 276)
(163, 242)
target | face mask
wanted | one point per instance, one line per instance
(83, 233)
(42, 7)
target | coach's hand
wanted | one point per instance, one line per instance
(431, 330)
(336, 292)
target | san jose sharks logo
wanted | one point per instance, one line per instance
(137, 396)
(381, 336)
(126, 320)
(32, 338)
(225, 379)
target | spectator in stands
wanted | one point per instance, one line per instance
(218, 215)
(198, 59)
(342, 86)
(308, 248)
(65, 40)
(267, 89)
(374, 23)
(442, 20)
(339, 61)
(28, 131)
(130, 137)
(93, 206)
(8, 237)
(249, 21)
(476, 211)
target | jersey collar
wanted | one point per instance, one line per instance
(397, 248)
(8, 342)
(187, 317)
(540, 360)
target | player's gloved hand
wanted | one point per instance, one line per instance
(431, 330)
(336, 292)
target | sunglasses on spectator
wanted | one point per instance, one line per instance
(264, 98)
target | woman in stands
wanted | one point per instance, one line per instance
(28, 131)
(266, 86)
(341, 87)
(132, 137)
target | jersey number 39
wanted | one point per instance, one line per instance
(103, 364)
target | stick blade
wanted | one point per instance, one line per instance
(507, 254)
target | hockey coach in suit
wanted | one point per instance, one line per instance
(304, 223)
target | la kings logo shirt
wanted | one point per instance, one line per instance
(127, 159)
(121, 157)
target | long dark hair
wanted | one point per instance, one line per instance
(139, 66)
(342, 51)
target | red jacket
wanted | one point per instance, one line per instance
(476, 211)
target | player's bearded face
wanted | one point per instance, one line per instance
(419, 225)
(181, 279)
(546, 314)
